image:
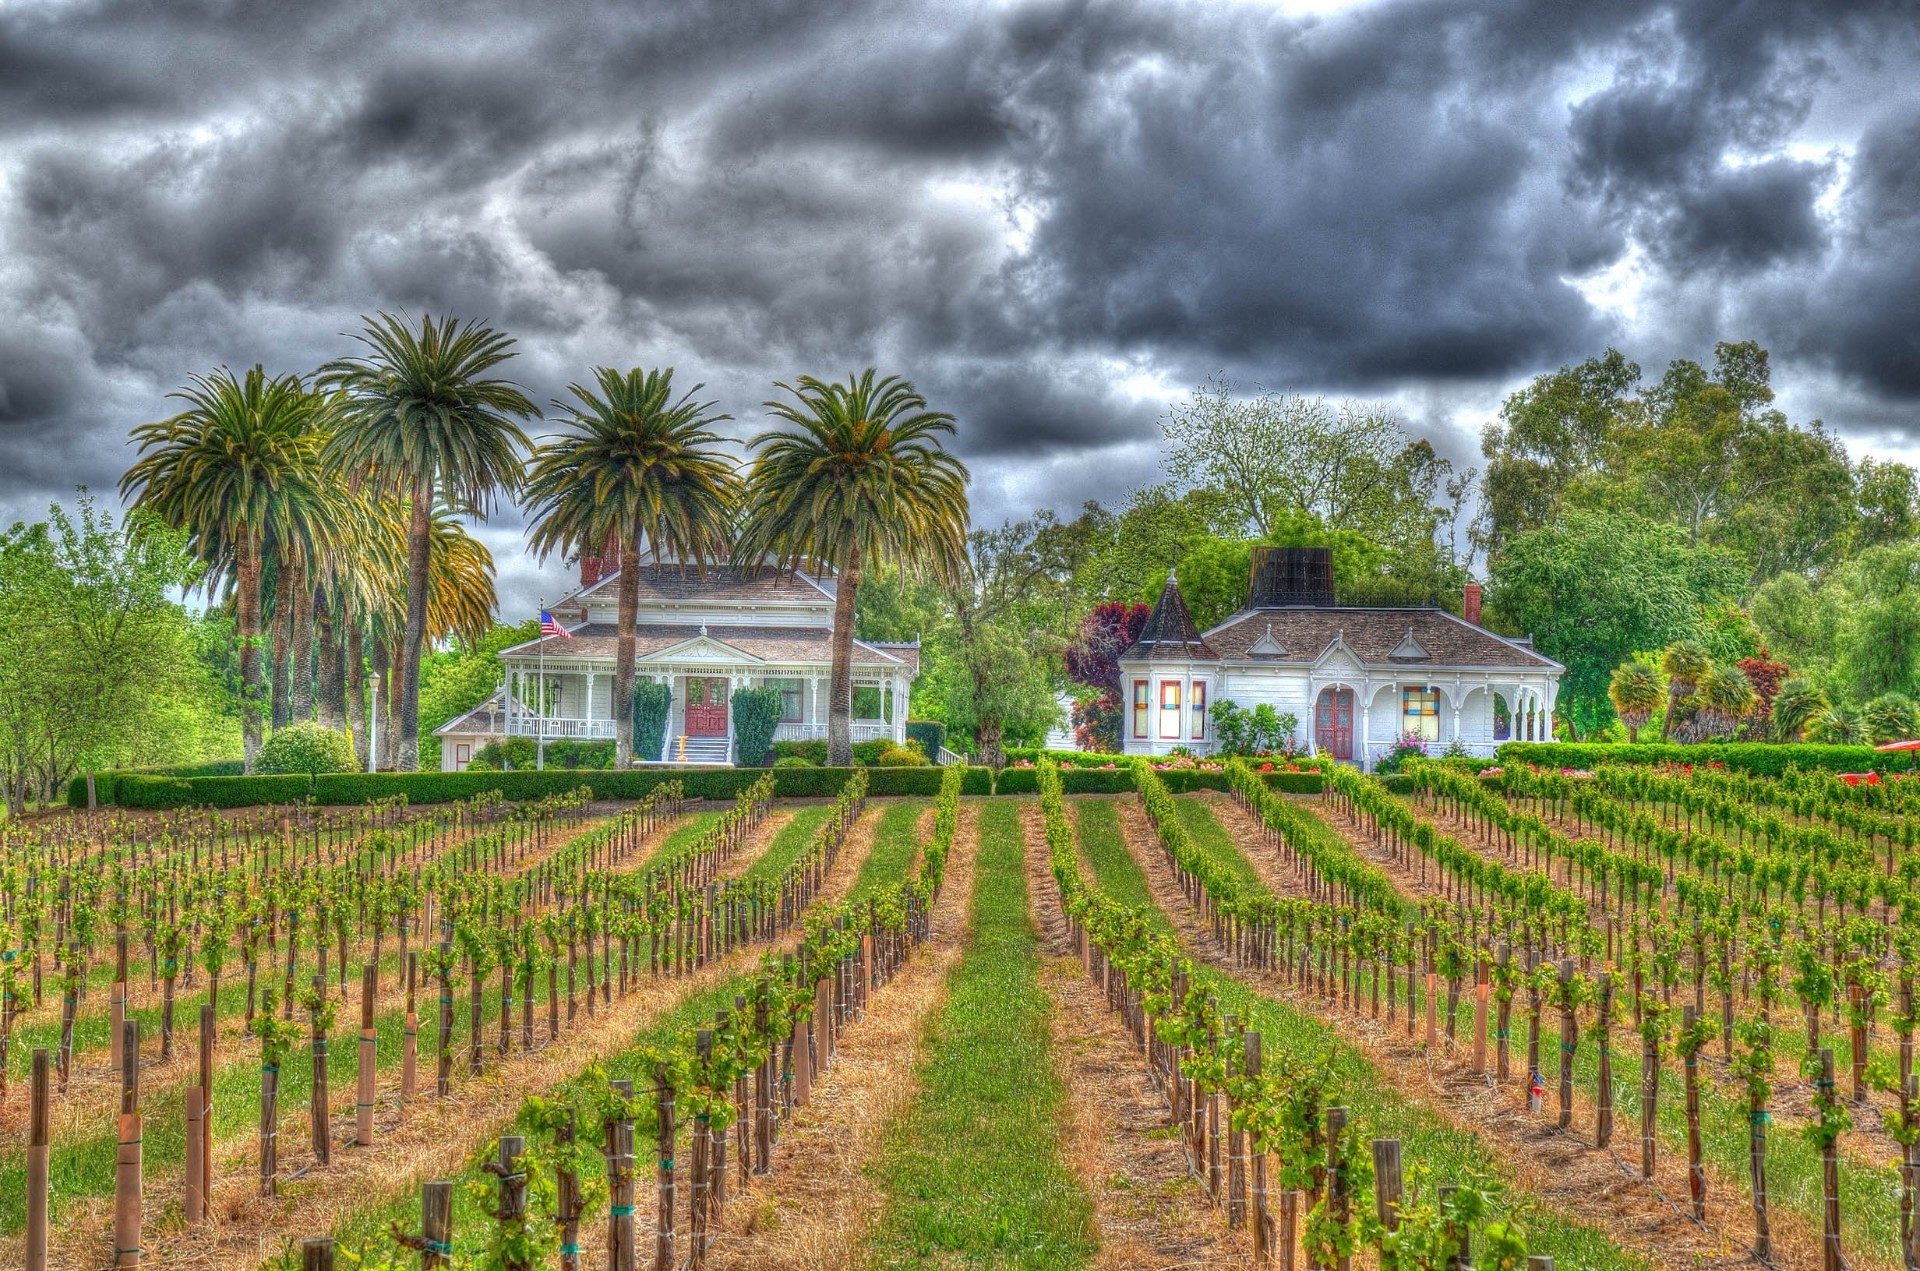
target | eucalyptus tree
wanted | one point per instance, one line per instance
(857, 475)
(637, 467)
(423, 420)
(236, 470)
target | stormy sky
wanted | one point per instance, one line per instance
(1052, 216)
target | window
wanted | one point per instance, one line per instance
(1420, 713)
(462, 752)
(1502, 719)
(1199, 710)
(1140, 701)
(1170, 710)
(793, 700)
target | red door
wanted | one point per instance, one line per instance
(707, 708)
(1333, 722)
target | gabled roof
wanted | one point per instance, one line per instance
(723, 583)
(599, 642)
(488, 718)
(1374, 637)
(1170, 632)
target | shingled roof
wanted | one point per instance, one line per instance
(600, 641)
(1378, 637)
(1170, 632)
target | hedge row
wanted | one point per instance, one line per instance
(140, 791)
(1763, 759)
(105, 782)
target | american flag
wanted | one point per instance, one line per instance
(548, 627)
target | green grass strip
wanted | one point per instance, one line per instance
(1369, 1093)
(972, 1172)
(896, 845)
(788, 845)
(1207, 832)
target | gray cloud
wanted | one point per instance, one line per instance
(1017, 206)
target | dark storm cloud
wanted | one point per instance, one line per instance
(1019, 206)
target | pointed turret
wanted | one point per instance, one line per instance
(1170, 632)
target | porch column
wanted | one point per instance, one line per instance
(1313, 713)
(1366, 725)
(1459, 709)
(813, 703)
(587, 712)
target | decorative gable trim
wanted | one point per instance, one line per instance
(1409, 650)
(1266, 646)
(703, 648)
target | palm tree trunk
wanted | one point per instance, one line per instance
(380, 720)
(413, 642)
(356, 708)
(301, 660)
(282, 662)
(840, 688)
(390, 708)
(332, 689)
(246, 604)
(623, 654)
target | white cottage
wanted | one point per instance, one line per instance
(703, 634)
(1356, 679)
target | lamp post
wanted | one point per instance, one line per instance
(373, 728)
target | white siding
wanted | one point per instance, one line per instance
(718, 615)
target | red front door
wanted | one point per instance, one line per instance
(707, 708)
(1333, 722)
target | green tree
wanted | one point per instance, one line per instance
(1796, 707)
(236, 470)
(307, 747)
(421, 419)
(1592, 588)
(1551, 435)
(857, 475)
(995, 643)
(638, 467)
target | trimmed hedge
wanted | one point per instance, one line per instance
(134, 791)
(103, 781)
(885, 781)
(1017, 781)
(1301, 782)
(976, 780)
(1763, 759)
(1096, 780)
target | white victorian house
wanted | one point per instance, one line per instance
(1356, 679)
(703, 634)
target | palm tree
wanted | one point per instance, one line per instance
(424, 421)
(1797, 705)
(1890, 717)
(636, 466)
(1635, 690)
(859, 476)
(1839, 725)
(235, 469)
(1684, 661)
(1726, 697)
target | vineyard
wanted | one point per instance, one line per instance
(1647, 1016)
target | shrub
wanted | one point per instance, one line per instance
(1185, 780)
(813, 751)
(793, 761)
(307, 748)
(1408, 747)
(652, 703)
(104, 780)
(976, 780)
(1296, 782)
(509, 753)
(931, 734)
(756, 714)
(867, 753)
(212, 792)
(809, 781)
(900, 757)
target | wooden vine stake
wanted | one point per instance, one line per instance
(1910, 1172)
(410, 1037)
(1569, 1042)
(1339, 1202)
(209, 1033)
(663, 1100)
(1690, 1045)
(1389, 1184)
(316, 1255)
(366, 1058)
(1480, 1015)
(196, 1179)
(126, 1174)
(619, 1151)
(1262, 1220)
(511, 1213)
(1826, 1103)
(1603, 1020)
(436, 1225)
(37, 1154)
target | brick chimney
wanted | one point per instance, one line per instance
(599, 565)
(1470, 604)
